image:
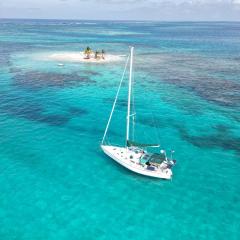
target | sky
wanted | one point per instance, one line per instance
(159, 10)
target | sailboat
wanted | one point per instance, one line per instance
(136, 156)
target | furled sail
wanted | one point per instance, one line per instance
(135, 144)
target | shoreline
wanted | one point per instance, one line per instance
(80, 57)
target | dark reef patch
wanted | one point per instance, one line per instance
(221, 139)
(120, 102)
(32, 110)
(209, 78)
(53, 119)
(76, 111)
(223, 129)
(91, 73)
(220, 91)
(15, 70)
(38, 80)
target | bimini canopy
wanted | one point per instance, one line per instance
(153, 158)
(135, 144)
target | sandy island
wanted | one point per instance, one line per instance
(80, 57)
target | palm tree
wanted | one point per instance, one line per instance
(88, 52)
(103, 53)
(97, 55)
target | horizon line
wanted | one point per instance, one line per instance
(115, 20)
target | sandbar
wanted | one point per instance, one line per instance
(80, 57)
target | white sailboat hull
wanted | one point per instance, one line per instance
(131, 160)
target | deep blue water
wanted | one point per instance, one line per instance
(55, 183)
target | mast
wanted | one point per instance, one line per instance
(129, 94)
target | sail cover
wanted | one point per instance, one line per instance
(135, 144)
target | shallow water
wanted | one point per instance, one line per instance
(57, 184)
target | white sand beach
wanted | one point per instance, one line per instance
(80, 57)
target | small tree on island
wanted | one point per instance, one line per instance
(103, 54)
(88, 52)
(97, 55)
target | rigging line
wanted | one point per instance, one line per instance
(115, 101)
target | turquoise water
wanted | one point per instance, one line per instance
(56, 183)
